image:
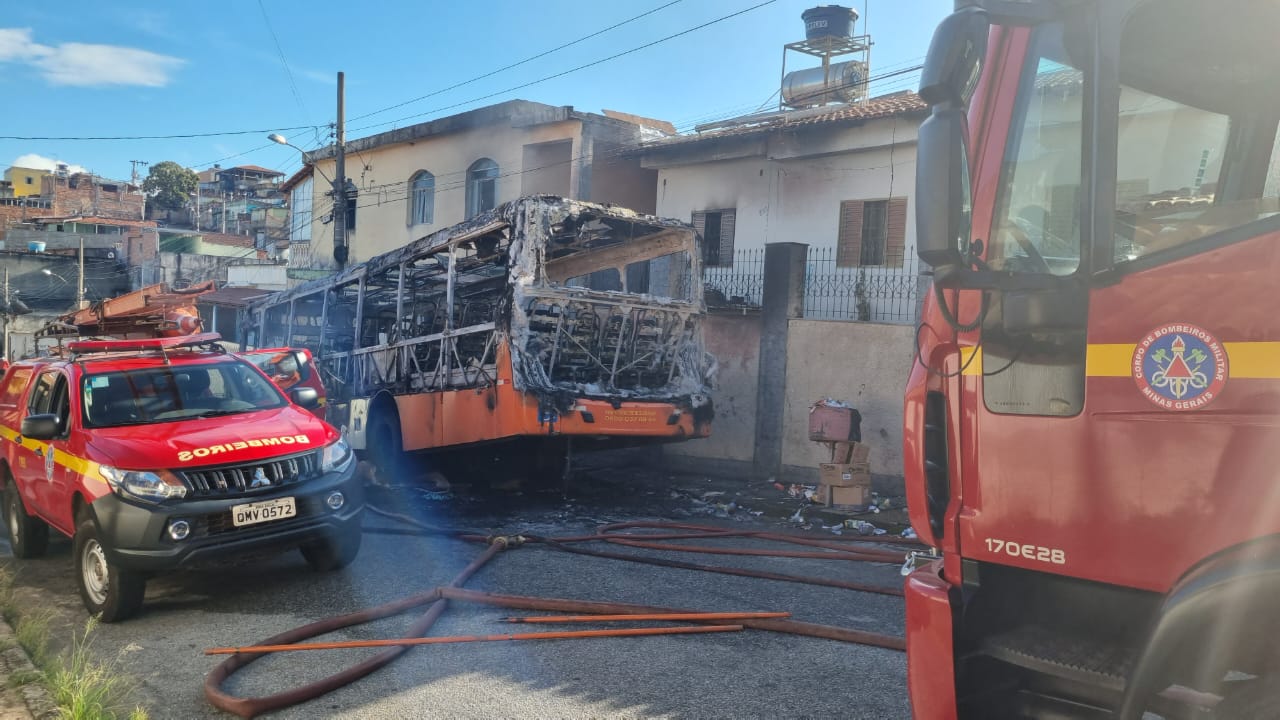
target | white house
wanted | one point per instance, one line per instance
(838, 177)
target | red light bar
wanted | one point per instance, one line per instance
(168, 343)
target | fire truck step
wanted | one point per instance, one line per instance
(1069, 656)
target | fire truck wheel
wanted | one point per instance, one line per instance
(108, 590)
(333, 553)
(1250, 700)
(28, 536)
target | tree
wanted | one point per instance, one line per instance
(168, 185)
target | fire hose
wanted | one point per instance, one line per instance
(438, 598)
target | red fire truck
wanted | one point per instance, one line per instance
(1092, 421)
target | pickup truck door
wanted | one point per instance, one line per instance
(33, 470)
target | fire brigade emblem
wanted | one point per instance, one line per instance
(1180, 367)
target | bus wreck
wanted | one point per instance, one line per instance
(541, 320)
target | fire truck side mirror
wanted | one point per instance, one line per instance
(947, 82)
(40, 427)
(942, 193)
(305, 396)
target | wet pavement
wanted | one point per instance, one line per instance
(740, 675)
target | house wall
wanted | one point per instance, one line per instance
(80, 195)
(863, 364)
(382, 176)
(735, 342)
(789, 188)
(19, 177)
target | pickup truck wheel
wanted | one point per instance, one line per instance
(109, 591)
(28, 536)
(333, 553)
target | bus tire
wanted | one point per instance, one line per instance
(109, 591)
(386, 448)
(28, 536)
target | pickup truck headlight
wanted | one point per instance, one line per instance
(334, 455)
(148, 485)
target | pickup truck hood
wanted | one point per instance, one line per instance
(225, 440)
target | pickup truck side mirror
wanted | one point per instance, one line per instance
(304, 367)
(40, 427)
(304, 396)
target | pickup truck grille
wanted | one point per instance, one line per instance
(250, 478)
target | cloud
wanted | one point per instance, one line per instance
(86, 64)
(40, 162)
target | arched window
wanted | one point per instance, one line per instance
(482, 186)
(422, 198)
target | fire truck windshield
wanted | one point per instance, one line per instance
(173, 392)
(1196, 147)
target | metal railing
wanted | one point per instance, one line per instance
(887, 293)
(740, 284)
(869, 293)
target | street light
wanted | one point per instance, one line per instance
(340, 192)
(47, 271)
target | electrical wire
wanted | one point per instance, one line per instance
(518, 63)
(553, 76)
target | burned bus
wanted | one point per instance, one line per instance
(537, 324)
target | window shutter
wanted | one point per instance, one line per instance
(895, 245)
(727, 221)
(700, 226)
(849, 242)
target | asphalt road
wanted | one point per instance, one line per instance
(752, 674)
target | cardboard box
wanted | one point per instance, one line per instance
(850, 452)
(856, 495)
(832, 423)
(844, 474)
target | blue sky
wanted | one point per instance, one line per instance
(147, 68)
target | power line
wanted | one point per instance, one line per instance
(516, 64)
(600, 61)
(279, 50)
(180, 136)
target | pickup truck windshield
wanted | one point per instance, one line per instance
(164, 394)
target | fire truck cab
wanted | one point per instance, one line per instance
(159, 453)
(1091, 422)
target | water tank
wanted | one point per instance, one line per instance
(828, 21)
(845, 83)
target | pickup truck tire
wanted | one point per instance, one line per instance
(28, 536)
(333, 553)
(109, 591)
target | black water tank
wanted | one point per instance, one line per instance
(828, 21)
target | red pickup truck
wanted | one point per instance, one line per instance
(159, 453)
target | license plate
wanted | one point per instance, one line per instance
(260, 512)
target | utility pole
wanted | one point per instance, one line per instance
(135, 164)
(8, 315)
(224, 212)
(80, 303)
(340, 252)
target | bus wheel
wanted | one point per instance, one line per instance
(386, 449)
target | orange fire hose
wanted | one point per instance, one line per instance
(438, 599)
(649, 616)
(456, 639)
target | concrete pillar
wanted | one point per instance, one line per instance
(783, 299)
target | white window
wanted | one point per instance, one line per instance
(482, 186)
(422, 198)
(300, 213)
